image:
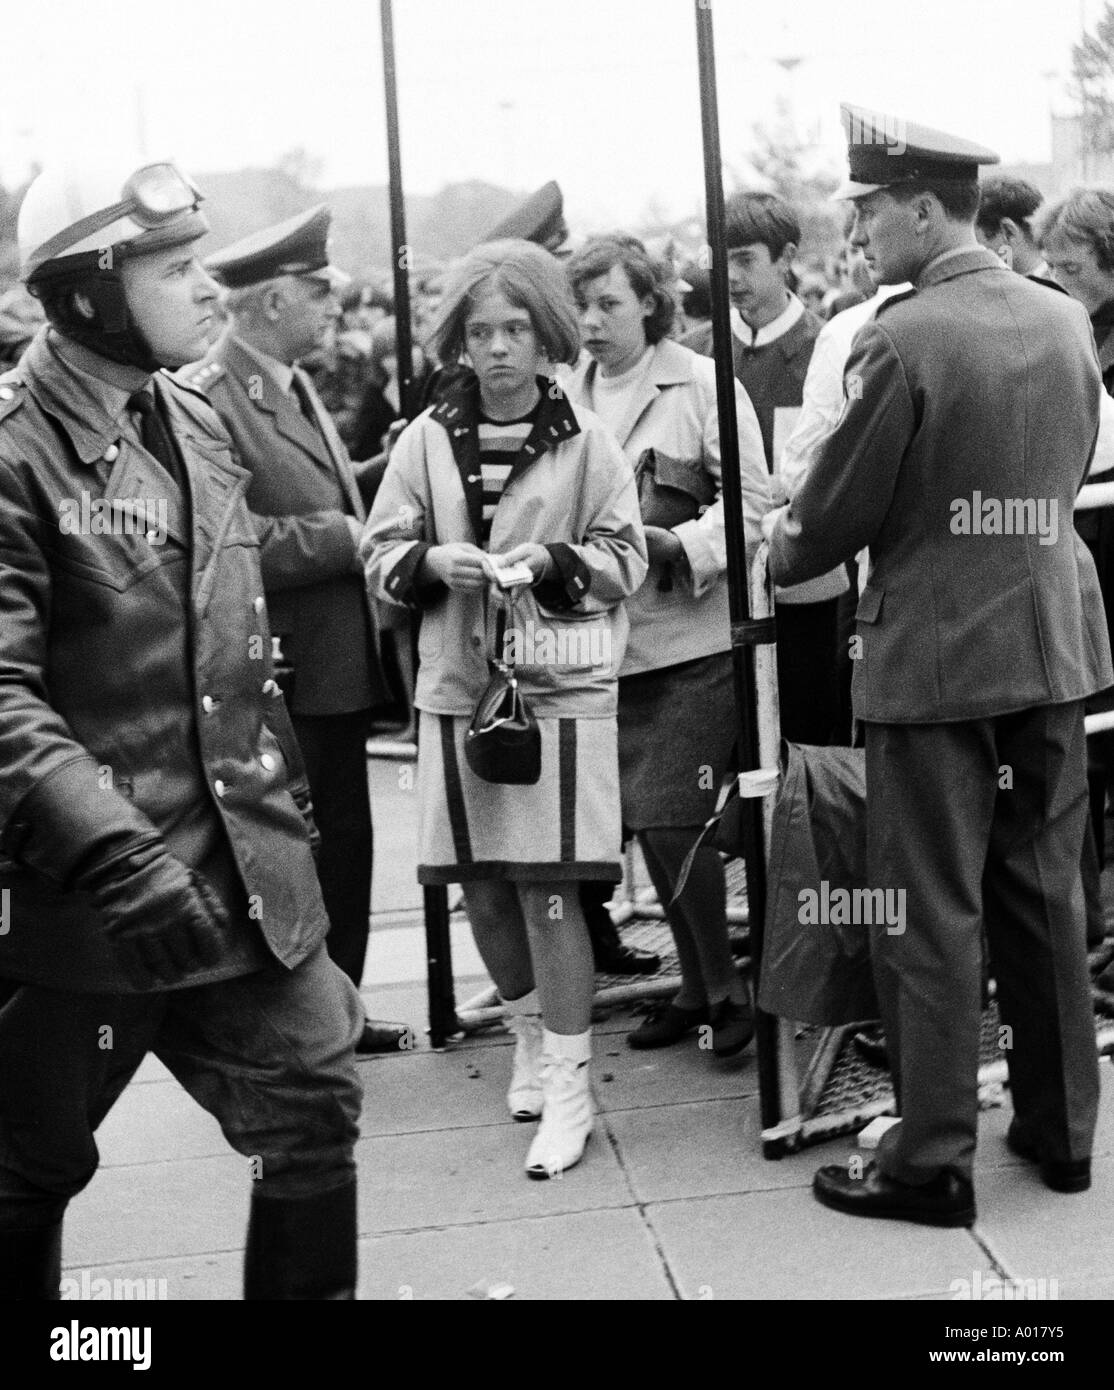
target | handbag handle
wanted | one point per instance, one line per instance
(504, 618)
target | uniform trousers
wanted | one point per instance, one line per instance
(269, 1054)
(334, 750)
(980, 822)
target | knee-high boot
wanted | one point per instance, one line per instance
(302, 1247)
(31, 1263)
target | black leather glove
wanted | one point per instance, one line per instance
(163, 918)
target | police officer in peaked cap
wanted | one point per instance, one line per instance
(540, 218)
(156, 833)
(970, 416)
(303, 493)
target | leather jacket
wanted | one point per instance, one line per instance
(136, 685)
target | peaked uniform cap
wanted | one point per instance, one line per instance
(297, 246)
(884, 150)
(539, 219)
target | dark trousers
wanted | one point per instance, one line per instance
(968, 851)
(334, 751)
(807, 674)
(270, 1055)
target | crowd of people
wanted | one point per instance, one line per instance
(186, 832)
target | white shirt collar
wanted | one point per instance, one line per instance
(776, 328)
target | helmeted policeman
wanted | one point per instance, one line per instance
(155, 830)
(971, 409)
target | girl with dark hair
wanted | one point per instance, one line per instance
(676, 702)
(504, 471)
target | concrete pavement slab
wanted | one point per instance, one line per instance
(189, 1278)
(156, 1123)
(468, 1175)
(583, 1255)
(1041, 1234)
(1098, 1290)
(785, 1245)
(704, 1149)
(147, 1212)
(394, 810)
(667, 1075)
(461, 1089)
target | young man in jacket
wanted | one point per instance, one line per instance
(156, 861)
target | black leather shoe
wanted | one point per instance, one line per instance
(948, 1200)
(379, 1036)
(1060, 1174)
(732, 1027)
(870, 1044)
(666, 1025)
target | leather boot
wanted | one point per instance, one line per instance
(524, 1020)
(31, 1264)
(566, 1106)
(302, 1247)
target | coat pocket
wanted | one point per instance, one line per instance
(547, 645)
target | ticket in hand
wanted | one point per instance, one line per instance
(509, 576)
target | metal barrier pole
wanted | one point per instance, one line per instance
(745, 633)
(439, 955)
(443, 1022)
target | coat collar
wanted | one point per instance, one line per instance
(458, 413)
(671, 365)
(86, 408)
(963, 262)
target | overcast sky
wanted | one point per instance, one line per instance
(599, 94)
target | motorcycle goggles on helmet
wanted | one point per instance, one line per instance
(157, 197)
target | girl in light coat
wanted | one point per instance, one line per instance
(505, 469)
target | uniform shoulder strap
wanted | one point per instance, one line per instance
(13, 391)
(201, 377)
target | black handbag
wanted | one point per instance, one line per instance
(503, 742)
(671, 491)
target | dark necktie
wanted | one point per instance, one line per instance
(154, 433)
(305, 400)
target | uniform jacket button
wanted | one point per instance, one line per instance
(268, 762)
(208, 704)
(111, 454)
(271, 688)
(260, 603)
(219, 787)
(6, 393)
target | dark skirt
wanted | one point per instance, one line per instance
(676, 734)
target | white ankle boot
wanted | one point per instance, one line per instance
(567, 1105)
(524, 1096)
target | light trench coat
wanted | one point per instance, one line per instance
(570, 490)
(674, 412)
